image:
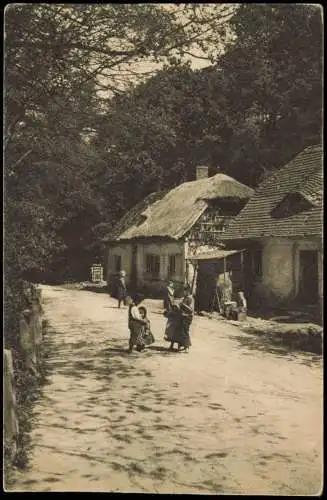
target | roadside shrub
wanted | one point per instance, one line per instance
(17, 297)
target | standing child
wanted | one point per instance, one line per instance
(136, 325)
(147, 335)
(121, 289)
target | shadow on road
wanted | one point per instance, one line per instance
(265, 346)
(158, 348)
(152, 349)
(120, 350)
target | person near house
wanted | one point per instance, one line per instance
(136, 325)
(181, 318)
(121, 288)
(170, 311)
(225, 287)
(240, 310)
(147, 334)
(241, 302)
(186, 310)
(224, 291)
(174, 327)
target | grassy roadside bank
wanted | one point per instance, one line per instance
(28, 388)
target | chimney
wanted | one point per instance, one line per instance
(202, 172)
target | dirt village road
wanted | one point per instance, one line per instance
(225, 418)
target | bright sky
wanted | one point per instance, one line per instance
(196, 61)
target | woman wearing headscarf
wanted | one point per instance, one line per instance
(181, 317)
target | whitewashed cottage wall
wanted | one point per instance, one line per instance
(281, 266)
(123, 250)
(162, 249)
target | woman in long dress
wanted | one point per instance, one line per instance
(174, 327)
(181, 318)
(186, 310)
(121, 289)
(169, 312)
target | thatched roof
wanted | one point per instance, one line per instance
(302, 176)
(174, 214)
(134, 216)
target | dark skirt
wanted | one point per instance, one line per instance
(173, 327)
(136, 334)
(185, 333)
(121, 293)
(177, 330)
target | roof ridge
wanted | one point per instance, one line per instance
(313, 146)
(177, 210)
(276, 172)
(303, 182)
(228, 177)
(204, 181)
(302, 174)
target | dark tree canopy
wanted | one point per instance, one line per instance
(89, 132)
(273, 72)
(62, 64)
(250, 112)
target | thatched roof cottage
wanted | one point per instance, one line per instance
(281, 227)
(153, 241)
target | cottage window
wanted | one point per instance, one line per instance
(257, 263)
(117, 263)
(153, 265)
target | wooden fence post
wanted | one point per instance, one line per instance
(27, 340)
(10, 418)
(36, 326)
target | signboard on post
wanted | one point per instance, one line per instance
(96, 273)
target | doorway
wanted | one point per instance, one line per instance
(308, 277)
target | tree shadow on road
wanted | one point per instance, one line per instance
(117, 350)
(265, 345)
(150, 350)
(253, 343)
(158, 348)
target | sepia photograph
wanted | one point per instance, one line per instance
(163, 248)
